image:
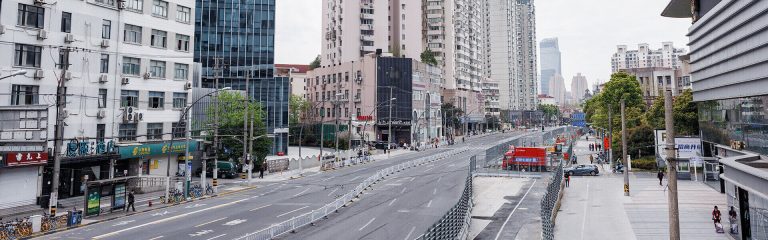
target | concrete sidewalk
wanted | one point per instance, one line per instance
(596, 208)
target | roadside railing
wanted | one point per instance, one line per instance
(550, 203)
(305, 219)
(455, 223)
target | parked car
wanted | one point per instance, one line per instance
(226, 170)
(582, 170)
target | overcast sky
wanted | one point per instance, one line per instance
(589, 31)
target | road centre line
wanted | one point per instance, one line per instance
(429, 204)
(369, 222)
(154, 238)
(203, 224)
(393, 201)
(302, 192)
(292, 211)
(260, 207)
(217, 236)
(334, 190)
(401, 192)
(168, 219)
(408, 237)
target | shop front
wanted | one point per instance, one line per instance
(19, 173)
(83, 160)
(152, 158)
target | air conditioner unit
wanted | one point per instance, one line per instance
(188, 85)
(103, 78)
(128, 114)
(101, 113)
(2, 29)
(69, 38)
(125, 80)
(104, 43)
(146, 75)
(67, 75)
(39, 2)
(39, 74)
(42, 34)
(139, 117)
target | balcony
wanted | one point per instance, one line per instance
(366, 16)
(366, 38)
(366, 26)
(367, 48)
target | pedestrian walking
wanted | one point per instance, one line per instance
(591, 159)
(131, 200)
(262, 169)
(660, 175)
(567, 179)
(716, 219)
(732, 216)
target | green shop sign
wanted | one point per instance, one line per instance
(155, 149)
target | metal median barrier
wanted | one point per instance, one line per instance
(455, 223)
(294, 223)
(550, 203)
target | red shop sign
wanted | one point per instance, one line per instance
(14, 159)
(364, 118)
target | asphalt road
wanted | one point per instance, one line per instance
(232, 216)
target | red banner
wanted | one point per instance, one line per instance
(364, 118)
(606, 143)
(15, 159)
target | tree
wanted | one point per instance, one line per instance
(549, 111)
(428, 57)
(231, 123)
(452, 114)
(654, 117)
(297, 106)
(315, 63)
(686, 114)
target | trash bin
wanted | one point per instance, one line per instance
(74, 218)
(37, 223)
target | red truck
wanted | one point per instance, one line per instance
(525, 157)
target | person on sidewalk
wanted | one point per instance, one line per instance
(732, 217)
(660, 175)
(131, 201)
(716, 215)
(262, 169)
(567, 179)
(591, 159)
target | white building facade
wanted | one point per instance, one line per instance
(130, 56)
(644, 57)
(579, 87)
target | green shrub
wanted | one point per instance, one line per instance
(644, 163)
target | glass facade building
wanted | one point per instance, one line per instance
(737, 119)
(394, 80)
(234, 43)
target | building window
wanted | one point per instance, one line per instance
(66, 22)
(132, 34)
(102, 98)
(181, 71)
(156, 100)
(27, 55)
(129, 98)
(159, 38)
(131, 66)
(24, 94)
(63, 58)
(154, 131)
(179, 131)
(157, 69)
(179, 100)
(31, 16)
(106, 29)
(160, 8)
(101, 130)
(182, 13)
(136, 5)
(127, 132)
(107, 2)
(182, 43)
(104, 63)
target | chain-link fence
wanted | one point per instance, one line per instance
(455, 223)
(550, 203)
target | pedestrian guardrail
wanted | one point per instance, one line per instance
(305, 219)
(550, 203)
(455, 223)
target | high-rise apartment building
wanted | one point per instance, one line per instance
(644, 57)
(579, 87)
(124, 66)
(352, 29)
(550, 62)
(557, 89)
(235, 46)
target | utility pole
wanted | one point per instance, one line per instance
(218, 62)
(624, 148)
(250, 147)
(674, 214)
(389, 139)
(322, 133)
(246, 116)
(336, 113)
(610, 136)
(59, 134)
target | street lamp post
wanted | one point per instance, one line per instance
(15, 73)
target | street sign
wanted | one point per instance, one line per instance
(14, 159)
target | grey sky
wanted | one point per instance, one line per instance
(589, 31)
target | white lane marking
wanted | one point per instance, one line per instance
(429, 169)
(328, 178)
(154, 238)
(302, 192)
(260, 207)
(234, 222)
(121, 223)
(168, 219)
(394, 184)
(401, 192)
(440, 179)
(393, 201)
(412, 178)
(513, 210)
(195, 205)
(354, 178)
(203, 224)
(200, 233)
(369, 222)
(434, 191)
(584, 220)
(292, 211)
(408, 237)
(429, 204)
(334, 190)
(215, 237)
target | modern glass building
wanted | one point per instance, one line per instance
(234, 43)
